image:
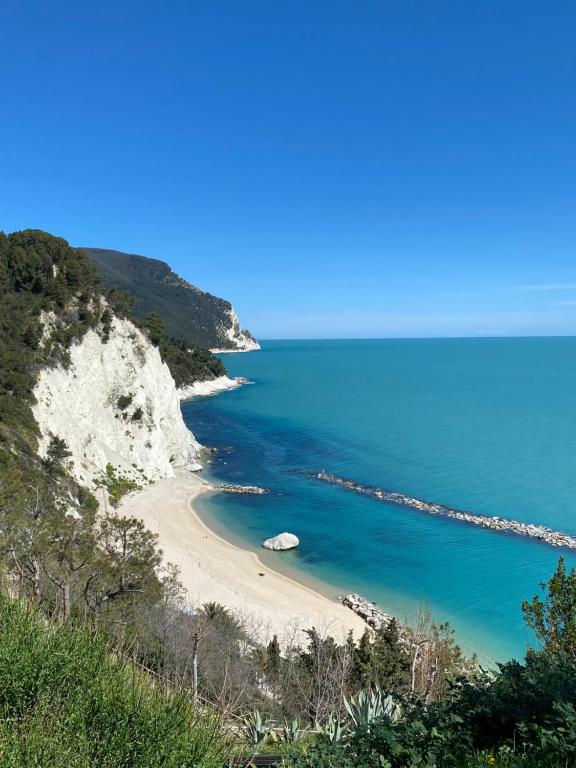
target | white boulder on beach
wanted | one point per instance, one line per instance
(282, 541)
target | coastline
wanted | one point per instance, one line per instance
(210, 387)
(214, 569)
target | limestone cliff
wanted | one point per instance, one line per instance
(115, 403)
(237, 340)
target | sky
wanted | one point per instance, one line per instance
(338, 168)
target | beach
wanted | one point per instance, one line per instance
(213, 569)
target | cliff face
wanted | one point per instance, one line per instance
(199, 318)
(236, 340)
(115, 403)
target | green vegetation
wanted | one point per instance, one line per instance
(186, 365)
(117, 485)
(67, 702)
(521, 715)
(188, 313)
(554, 618)
(41, 278)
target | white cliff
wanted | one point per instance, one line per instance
(115, 403)
(242, 341)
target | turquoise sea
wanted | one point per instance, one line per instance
(481, 425)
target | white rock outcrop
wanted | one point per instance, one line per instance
(210, 387)
(115, 403)
(242, 341)
(282, 541)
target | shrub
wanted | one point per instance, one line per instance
(66, 702)
(116, 485)
(124, 401)
(137, 415)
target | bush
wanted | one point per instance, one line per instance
(116, 485)
(66, 702)
(137, 415)
(124, 401)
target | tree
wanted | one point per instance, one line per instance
(362, 671)
(273, 658)
(57, 455)
(390, 658)
(127, 565)
(554, 618)
(120, 301)
(155, 325)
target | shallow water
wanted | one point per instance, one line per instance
(486, 425)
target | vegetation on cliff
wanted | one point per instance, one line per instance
(49, 296)
(196, 317)
(186, 365)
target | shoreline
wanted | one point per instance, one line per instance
(211, 387)
(214, 569)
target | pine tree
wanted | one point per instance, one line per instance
(273, 659)
(390, 657)
(554, 618)
(363, 663)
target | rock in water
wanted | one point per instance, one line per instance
(282, 541)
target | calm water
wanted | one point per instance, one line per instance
(485, 425)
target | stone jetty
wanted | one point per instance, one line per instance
(494, 523)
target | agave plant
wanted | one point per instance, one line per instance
(256, 728)
(334, 730)
(365, 708)
(291, 731)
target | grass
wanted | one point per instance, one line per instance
(66, 702)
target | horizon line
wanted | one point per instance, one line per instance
(420, 338)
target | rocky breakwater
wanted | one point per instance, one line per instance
(494, 523)
(227, 488)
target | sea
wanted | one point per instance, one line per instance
(487, 426)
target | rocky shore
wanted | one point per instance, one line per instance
(211, 387)
(367, 611)
(500, 524)
(373, 616)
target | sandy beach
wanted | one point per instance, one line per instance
(212, 569)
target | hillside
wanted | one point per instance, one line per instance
(188, 313)
(79, 378)
(67, 702)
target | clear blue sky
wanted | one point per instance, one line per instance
(335, 168)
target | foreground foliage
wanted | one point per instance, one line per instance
(67, 702)
(524, 714)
